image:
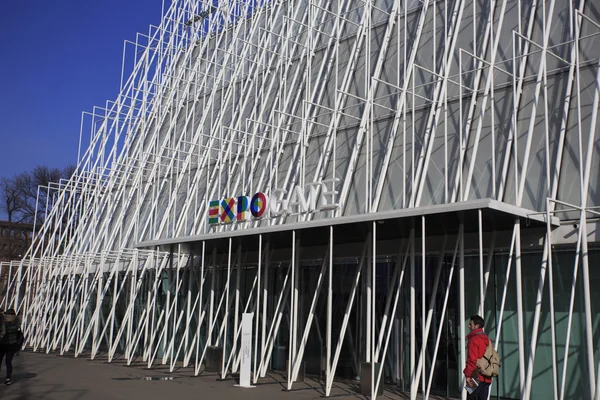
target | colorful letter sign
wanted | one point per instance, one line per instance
(237, 208)
(258, 205)
(213, 212)
(317, 196)
(227, 207)
(243, 203)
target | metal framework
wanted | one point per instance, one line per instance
(400, 105)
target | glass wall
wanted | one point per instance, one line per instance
(179, 288)
(563, 268)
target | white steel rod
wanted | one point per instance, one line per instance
(257, 309)
(442, 315)
(347, 312)
(226, 312)
(461, 305)
(328, 376)
(292, 342)
(519, 293)
(413, 338)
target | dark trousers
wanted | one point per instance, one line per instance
(9, 352)
(481, 392)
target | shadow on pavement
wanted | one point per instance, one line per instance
(23, 376)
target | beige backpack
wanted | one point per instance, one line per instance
(489, 364)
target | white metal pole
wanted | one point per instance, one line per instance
(349, 306)
(412, 311)
(423, 298)
(481, 274)
(461, 307)
(257, 309)
(265, 303)
(236, 321)
(291, 343)
(520, 327)
(371, 345)
(226, 312)
(328, 376)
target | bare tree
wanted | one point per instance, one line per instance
(25, 199)
(21, 200)
(10, 197)
(11, 194)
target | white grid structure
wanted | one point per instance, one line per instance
(411, 109)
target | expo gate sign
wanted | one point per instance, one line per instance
(316, 196)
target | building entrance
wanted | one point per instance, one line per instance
(441, 359)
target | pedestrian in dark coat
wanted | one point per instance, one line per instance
(9, 343)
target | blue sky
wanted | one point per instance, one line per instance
(57, 59)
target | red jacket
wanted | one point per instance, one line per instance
(478, 342)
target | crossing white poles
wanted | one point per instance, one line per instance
(257, 310)
(292, 314)
(297, 362)
(519, 293)
(232, 98)
(226, 314)
(348, 310)
(275, 323)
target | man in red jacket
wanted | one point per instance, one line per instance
(478, 342)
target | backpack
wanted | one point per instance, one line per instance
(12, 331)
(489, 364)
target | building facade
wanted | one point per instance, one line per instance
(15, 239)
(361, 175)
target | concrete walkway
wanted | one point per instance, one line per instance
(48, 376)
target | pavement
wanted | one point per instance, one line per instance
(50, 376)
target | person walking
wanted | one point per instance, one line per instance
(9, 342)
(478, 342)
(2, 332)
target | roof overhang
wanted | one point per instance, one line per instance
(440, 219)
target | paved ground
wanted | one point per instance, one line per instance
(48, 376)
